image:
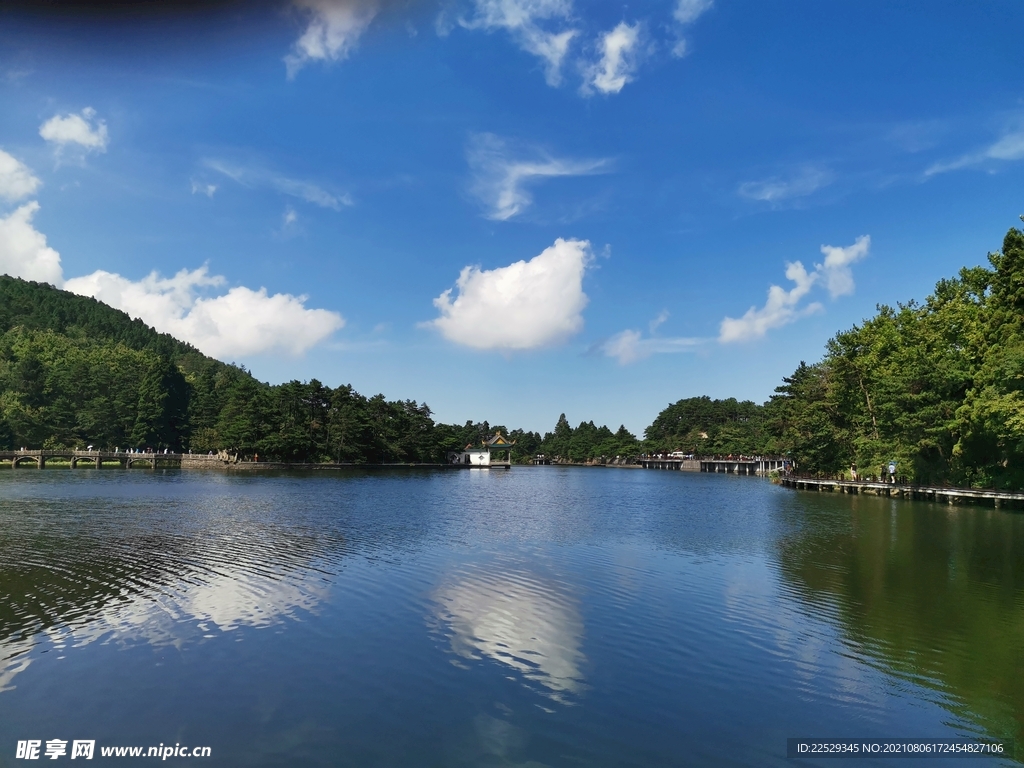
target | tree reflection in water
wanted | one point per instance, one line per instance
(929, 593)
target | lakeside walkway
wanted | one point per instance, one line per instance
(739, 465)
(936, 493)
(149, 459)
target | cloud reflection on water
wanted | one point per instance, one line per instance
(172, 607)
(515, 618)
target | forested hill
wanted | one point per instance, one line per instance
(700, 425)
(40, 306)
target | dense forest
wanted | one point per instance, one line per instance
(937, 386)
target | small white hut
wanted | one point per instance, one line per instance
(481, 456)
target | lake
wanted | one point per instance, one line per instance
(541, 616)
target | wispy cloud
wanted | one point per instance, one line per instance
(619, 50)
(524, 20)
(333, 30)
(686, 13)
(656, 322)
(525, 305)
(783, 307)
(203, 188)
(1007, 148)
(256, 177)
(631, 345)
(502, 173)
(802, 182)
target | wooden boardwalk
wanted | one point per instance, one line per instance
(936, 493)
(746, 466)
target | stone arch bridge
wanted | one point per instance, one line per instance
(149, 460)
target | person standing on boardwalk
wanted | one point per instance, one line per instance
(892, 472)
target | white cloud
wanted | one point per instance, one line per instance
(1008, 148)
(239, 323)
(836, 269)
(618, 61)
(289, 217)
(234, 324)
(630, 346)
(500, 181)
(803, 182)
(81, 129)
(782, 305)
(334, 29)
(525, 305)
(16, 178)
(203, 188)
(687, 12)
(254, 177)
(780, 309)
(656, 322)
(520, 19)
(23, 249)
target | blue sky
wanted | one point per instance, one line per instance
(512, 208)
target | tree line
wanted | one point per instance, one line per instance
(937, 386)
(76, 372)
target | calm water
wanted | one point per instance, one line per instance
(537, 617)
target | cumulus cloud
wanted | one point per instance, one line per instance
(235, 324)
(255, 177)
(16, 178)
(525, 305)
(686, 13)
(836, 270)
(803, 182)
(333, 31)
(1008, 148)
(500, 180)
(618, 62)
(23, 249)
(780, 309)
(782, 306)
(522, 20)
(83, 130)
